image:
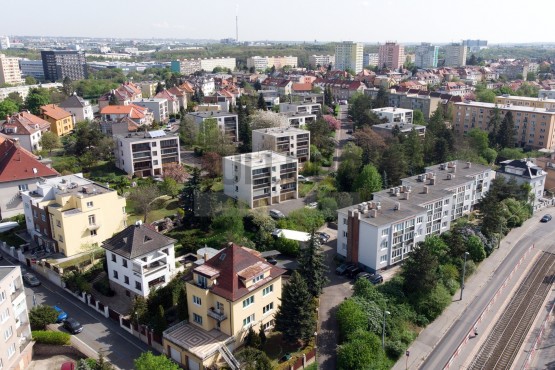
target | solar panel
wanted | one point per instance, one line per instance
(156, 133)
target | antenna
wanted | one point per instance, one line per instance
(236, 23)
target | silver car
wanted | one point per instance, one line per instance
(31, 279)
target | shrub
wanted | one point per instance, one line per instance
(42, 315)
(103, 286)
(287, 246)
(395, 349)
(51, 337)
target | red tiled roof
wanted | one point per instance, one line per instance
(17, 163)
(131, 110)
(165, 94)
(26, 123)
(302, 87)
(235, 261)
(52, 110)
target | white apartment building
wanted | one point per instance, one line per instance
(426, 55)
(190, 66)
(288, 141)
(210, 63)
(298, 120)
(321, 60)
(9, 70)
(455, 55)
(4, 42)
(311, 108)
(32, 68)
(261, 63)
(523, 171)
(139, 260)
(383, 232)
(395, 115)
(158, 107)
(260, 178)
(546, 94)
(227, 122)
(370, 59)
(348, 55)
(24, 89)
(17, 348)
(145, 153)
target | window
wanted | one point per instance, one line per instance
(154, 144)
(248, 320)
(419, 220)
(92, 220)
(93, 232)
(267, 290)
(344, 221)
(138, 286)
(197, 300)
(8, 333)
(89, 204)
(58, 223)
(202, 281)
(269, 307)
(115, 274)
(43, 217)
(11, 350)
(197, 318)
(155, 153)
(385, 232)
(126, 279)
(23, 187)
(155, 162)
(345, 234)
(2, 296)
(383, 259)
(5, 315)
(247, 302)
(114, 258)
(123, 210)
(258, 278)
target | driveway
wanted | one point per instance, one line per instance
(336, 291)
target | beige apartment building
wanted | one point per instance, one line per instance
(16, 350)
(231, 292)
(69, 213)
(525, 101)
(9, 71)
(534, 127)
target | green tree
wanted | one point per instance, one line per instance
(169, 187)
(382, 98)
(252, 339)
(367, 182)
(486, 95)
(50, 141)
(139, 310)
(182, 308)
(37, 98)
(493, 127)
(363, 352)
(312, 266)
(159, 323)
(30, 80)
(230, 222)
(189, 196)
(16, 98)
(143, 198)
(418, 117)
(420, 270)
(414, 153)
(148, 361)
(212, 139)
(295, 317)
(262, 336)
(7, 108)
(41, 316)
(253, 359)
(350, 317)
(261, 104)
(505, 135)
(432, 304)
(476, 248)
(159, 88)
(531, 76)
(67, 86)
(394, 164)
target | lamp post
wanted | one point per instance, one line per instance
(464, 272)
(385, 313)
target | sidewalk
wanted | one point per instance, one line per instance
(429, 338)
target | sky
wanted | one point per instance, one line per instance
(371, 21)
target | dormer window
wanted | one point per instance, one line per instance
(257, 278)
(202, 281)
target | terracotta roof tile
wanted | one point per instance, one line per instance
(17, 163)
(52, 110)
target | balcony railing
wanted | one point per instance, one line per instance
(16, 293)
(219, 315)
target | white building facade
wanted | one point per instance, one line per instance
(158, 107)
(228, 123)
(426, 55)
(289, 141)
(348, 55)
(395, 115)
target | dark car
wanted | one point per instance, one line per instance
(271, 260)
(73, 326)
(350, 132)
(285, 357)
(31, 280)
(375, 278)
(546, 218)
(342, 269)
(362, 275)
(324, 237)
(353, 271)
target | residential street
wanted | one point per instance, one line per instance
(100, 334)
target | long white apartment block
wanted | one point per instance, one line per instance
(383, 232)
(292, 141)
(261, 178)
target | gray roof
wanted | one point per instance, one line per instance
(136, 241)
(5, 271)
(73, 101)
(521, 167)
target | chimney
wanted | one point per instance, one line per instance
(468, 164)
(397, 206)
(407, 195)
(374, 213)
(425, 190)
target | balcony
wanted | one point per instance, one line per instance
(218, 315)
(288, 169)
(16, 293)
(261, 196)
(260, 175)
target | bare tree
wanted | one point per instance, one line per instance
(144, 198)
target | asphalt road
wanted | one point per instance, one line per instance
(99, 333)
(538, 234)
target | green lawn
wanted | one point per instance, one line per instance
(275, 348)
(167, 207)
(305, 188)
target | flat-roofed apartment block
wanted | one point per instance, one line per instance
(16, 350)
(146, 153)
(302, 107)
(227, 122)
(292, 141)
(298, 120)
(534, 127)
(67, 213)
(525, 101)
(382, 233)
(394, 114)
(261, 178)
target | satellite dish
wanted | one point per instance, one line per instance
(35, 171)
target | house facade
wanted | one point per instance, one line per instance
(524, 171)
(27, 129)
(158, 107)
(61, 121)
(80, 108)
(228, 123)
(289, 141)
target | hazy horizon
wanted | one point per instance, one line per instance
(499, 22)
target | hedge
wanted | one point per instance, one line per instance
(51, 337)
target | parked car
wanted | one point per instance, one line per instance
(342, 269)
(271, 260)
(68, 366)
(275, 214)
(350, 132)
(324, 237)
(546, 218)
(285, 357)
(301, 178)
(375, 278)
(31, 280)
(73, 326)
(353, 271)
(62, 316)
(312, 205)
(362, 275)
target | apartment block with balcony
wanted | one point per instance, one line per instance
(382, 233)
(391, 55)
(395, 115)
(9, 71)
(158, 107)
(301, 107)
(67, 213)
(231, 292)
(348, 55)
(227, 122)
(261, 178)
(525, 101)
(426, 55)
(534, 127)
(16, 350)
(298, 120)
(139, 260)
(321, 60)
(455, 55)
(59, 64)
(289, 141)
(145, 153)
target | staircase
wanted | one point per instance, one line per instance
(229, 358)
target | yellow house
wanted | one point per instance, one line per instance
(70, 213)
(231, 292)
(61, 121)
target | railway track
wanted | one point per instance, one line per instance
(508, 334)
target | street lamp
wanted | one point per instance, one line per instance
(464, 272)
(385, 312)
